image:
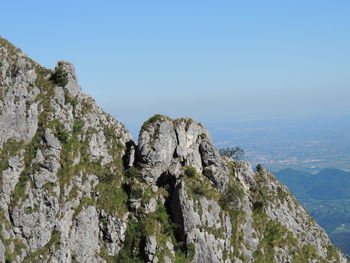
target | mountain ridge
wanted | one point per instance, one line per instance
(76, 188)
(327, 184)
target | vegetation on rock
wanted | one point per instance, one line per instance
(60, 76)
(234, 153)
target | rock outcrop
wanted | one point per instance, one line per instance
(74, 187)
(166, 146)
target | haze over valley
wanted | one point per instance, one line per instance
(307, 144)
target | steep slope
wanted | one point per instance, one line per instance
(223, 210)
(74, 187)
(326, 197)
(61, 167)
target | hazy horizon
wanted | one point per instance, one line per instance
(213, 62)
(308, 144)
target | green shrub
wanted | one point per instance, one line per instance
(131, 252)
(69, 100)
(232, 152)
(190, 171)
(233, 194)
(133, 172)
(190, 250)
(259, 168)
(59, 76)
(14, 70)
(74, 259)
(62, 134)
(198, 190)
(156, 117)
(78, 126)
(305, 254)
(112, 198)
(136, 191)
(332, 253)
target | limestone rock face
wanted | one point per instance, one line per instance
(2, 252)
(74, 187)
(166, 145)
(57, 148)
(203, 225)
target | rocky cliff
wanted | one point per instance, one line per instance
(74, 187)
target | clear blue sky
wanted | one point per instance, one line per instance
(210, 60)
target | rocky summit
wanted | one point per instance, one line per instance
(75, 187)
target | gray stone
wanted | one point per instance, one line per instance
(85, 235)
(150, 248)
(51, 140)
(194, 222)
(2, 252)
(151, 206)
(166, 145)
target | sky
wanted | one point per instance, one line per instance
(214, 61)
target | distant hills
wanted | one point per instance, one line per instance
(326, 196)
(328, 184)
